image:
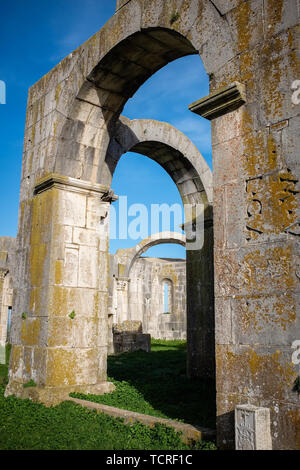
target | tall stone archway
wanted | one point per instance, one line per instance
(71, 119)
(193, 178)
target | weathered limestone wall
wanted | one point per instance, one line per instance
(256, 203)
(128, 336)
(144, 296)
(7, 269)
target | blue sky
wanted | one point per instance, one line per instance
(34, 37)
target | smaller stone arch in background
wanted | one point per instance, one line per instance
(136, 288)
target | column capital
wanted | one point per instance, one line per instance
(54, 180)
(122, 282)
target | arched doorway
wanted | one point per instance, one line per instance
(192, 176)
(68, 195)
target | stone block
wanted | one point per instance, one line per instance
(252, 428)
(71, 265)
(71, 366)
(60, 332)
(83, 236)
(63, 300)
(273, 314)
(129, 326)
(72, 210)
(85, 332)
(88, 267)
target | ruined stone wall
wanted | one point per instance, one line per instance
(256, 203)
(7, 269)
(144, 294)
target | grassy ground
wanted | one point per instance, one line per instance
(28, 425)
(156, 384)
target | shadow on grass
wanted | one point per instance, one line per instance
(155, 383)
(160, 378)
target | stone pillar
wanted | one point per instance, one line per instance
(256, 241)
(59, 324)
(3, 317)
(252, 428)
(200, 305)
(122, 285)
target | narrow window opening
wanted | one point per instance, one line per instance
(166, 298)
(8, 324)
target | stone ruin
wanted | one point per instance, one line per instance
(139, 296)
(7, 268)
(243, 284)
(136, 288)
(128, 336)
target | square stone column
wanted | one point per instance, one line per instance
(3, 317)
(252, 428)
(256, 181)
(59, 325)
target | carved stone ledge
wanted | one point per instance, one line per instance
(221, 102)
(65, 182)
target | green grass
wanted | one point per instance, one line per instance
(156, 384)
(4, 367)
(28, 425)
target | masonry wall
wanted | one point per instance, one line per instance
(145, 296)
(7, 268)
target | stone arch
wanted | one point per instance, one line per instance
(157, 239)
(193, 178)
(128, 257)
(71, 121)
(86, 92)
(169, 147)
(109, 68)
